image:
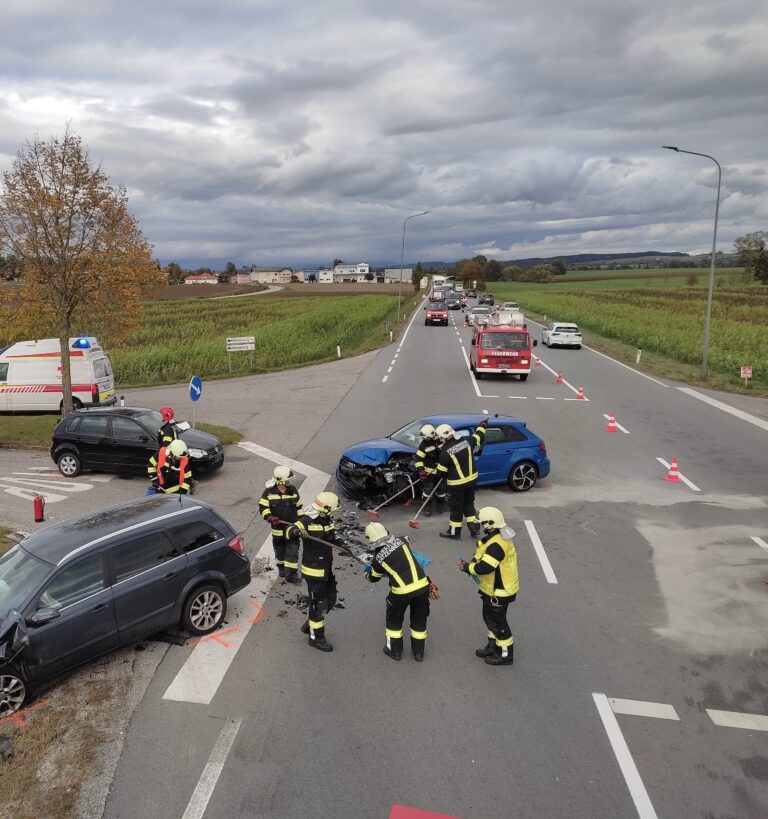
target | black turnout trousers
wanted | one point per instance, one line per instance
(495, 615)
(461, 503)
(397, 606)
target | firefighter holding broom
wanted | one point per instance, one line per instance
(494, 566)
(279, 506)
(409, 587)
(426, 462)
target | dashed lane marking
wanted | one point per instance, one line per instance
(734, 719)
(538, 546)
(402, 341)
(760, 542)
(543, 398)
(627, 765)
(639, 708)
(685, 480)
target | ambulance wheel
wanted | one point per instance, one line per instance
(524, 377)
(76, 404)
(69, 465)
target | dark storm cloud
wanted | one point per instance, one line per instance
(277, 133)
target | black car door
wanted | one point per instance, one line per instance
(84, 624)
(130, 444)
(147, 572)
(93, 441)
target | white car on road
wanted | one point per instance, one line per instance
(561, 334)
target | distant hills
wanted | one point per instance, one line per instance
(575, 258)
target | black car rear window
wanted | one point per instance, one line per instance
(139, 554)
(74, 423)
(193, 535)
(93, 425)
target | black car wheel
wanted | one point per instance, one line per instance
(524, 376)
(523, 476)
(204, 609)
(69, 464)
(13, 690)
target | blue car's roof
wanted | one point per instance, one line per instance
(463, 419)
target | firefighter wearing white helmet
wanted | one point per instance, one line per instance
(318, 536)
(426, 463)
(456, 466)
(495, 565)
(279, 506)
(408, 587)
(171, 470)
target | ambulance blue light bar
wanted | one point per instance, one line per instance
(81, 343)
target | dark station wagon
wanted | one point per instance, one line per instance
(122, 440)
(86, 586)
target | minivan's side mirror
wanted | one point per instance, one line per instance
(42, 616)
(535, 343)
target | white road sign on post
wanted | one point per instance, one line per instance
(239, 344)
(746, 374)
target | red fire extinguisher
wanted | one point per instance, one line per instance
(38, 503)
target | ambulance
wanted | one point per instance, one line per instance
(30, 375)
(503, 347)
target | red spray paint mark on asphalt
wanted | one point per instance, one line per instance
(217, 637)
(260, 615)
(403, 812)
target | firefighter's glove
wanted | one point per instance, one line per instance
(434, 592)
(483, 424)
(464, 566)
(423, 474)
(273, 519)
(367, 569)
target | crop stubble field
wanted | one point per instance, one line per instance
(180, 338)
(667, 321)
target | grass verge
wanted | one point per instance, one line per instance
(226, 435)
(5, 541)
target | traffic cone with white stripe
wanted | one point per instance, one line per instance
(559, 379)
(580, 394)
(672, 475)
(612, 424)
(536, 361)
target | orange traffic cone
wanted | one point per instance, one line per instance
(559, 379)
(612, 424)
(580, 394)
(537, 361)
(672, 475)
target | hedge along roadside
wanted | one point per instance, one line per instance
(178, 337)
(671, 327)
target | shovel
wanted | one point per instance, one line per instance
(374, 513)
(414, 523)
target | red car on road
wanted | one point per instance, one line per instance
(436, 312)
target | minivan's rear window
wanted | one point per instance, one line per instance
(101, 369)
(193, 535)
(504, 341)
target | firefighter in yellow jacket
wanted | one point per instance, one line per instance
(495, 566)
(279, 506)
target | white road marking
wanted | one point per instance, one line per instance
(62, 486)
(618, 425)
(735, 719)
(744, 416)
(210, 775)
(469, 370)
(540, 553)
(543, 398)
(635, 785)
(682, 477)
(202, 673)
(567, 383)
(402, 341)
(389, 370)
(639, 708)
(485, 412)
(583, 400)
(521, 397)
(760, 542)
(384, 380)
(28, 494)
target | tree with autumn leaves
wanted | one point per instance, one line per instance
(84, 262)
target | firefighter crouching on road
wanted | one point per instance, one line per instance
(426, 463)
(495, 565)
(175, 475)
(168, 431)
(279, 506)
(408, 586)
(456, 465)
(317, 564)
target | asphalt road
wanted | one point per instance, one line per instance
(628, 670)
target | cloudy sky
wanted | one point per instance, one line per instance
(296, 131)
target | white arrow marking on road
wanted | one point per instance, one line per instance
(52, 473)
(540, 553)
(60, 485)
(628, 768)
(680, 474)
(210, 776)
(760, 542)
(28, 494)
(639, 708)
(203, 672)
(734, 719)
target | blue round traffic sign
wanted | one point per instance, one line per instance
(195, 387)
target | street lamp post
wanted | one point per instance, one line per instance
(402, 259)
(712, 259)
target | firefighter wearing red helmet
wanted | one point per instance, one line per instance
(168, 431)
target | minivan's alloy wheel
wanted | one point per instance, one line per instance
(523, 476)
(204, 610)
(69, 465)
(13, 691)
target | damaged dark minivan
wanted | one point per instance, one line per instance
(86, 586)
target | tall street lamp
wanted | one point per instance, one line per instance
(712, 260)
(402, 259)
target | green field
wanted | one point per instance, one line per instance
(179, 338)
(665, 319)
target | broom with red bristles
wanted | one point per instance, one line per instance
(374, 513)
(414, 522)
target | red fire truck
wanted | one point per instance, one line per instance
(501, 349)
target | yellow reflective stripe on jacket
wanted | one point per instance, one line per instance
(490, 560)
(410, 587)
(308, 572)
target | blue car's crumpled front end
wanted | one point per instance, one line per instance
(376, 468)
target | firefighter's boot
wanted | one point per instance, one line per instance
(417, 647)
(394, 648)
(428, 507)
(474, 528)
(453, 533)
(292, 577)
(488, 649)
(502, 656)
(305, 627)
(280, 570)
(317, 639)
(440, 504)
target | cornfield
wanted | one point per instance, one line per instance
(181, 338)
(671, 322)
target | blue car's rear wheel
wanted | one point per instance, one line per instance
(523, 476)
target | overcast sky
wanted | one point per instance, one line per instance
(296, 131)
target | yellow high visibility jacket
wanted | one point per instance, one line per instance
(495, 565)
